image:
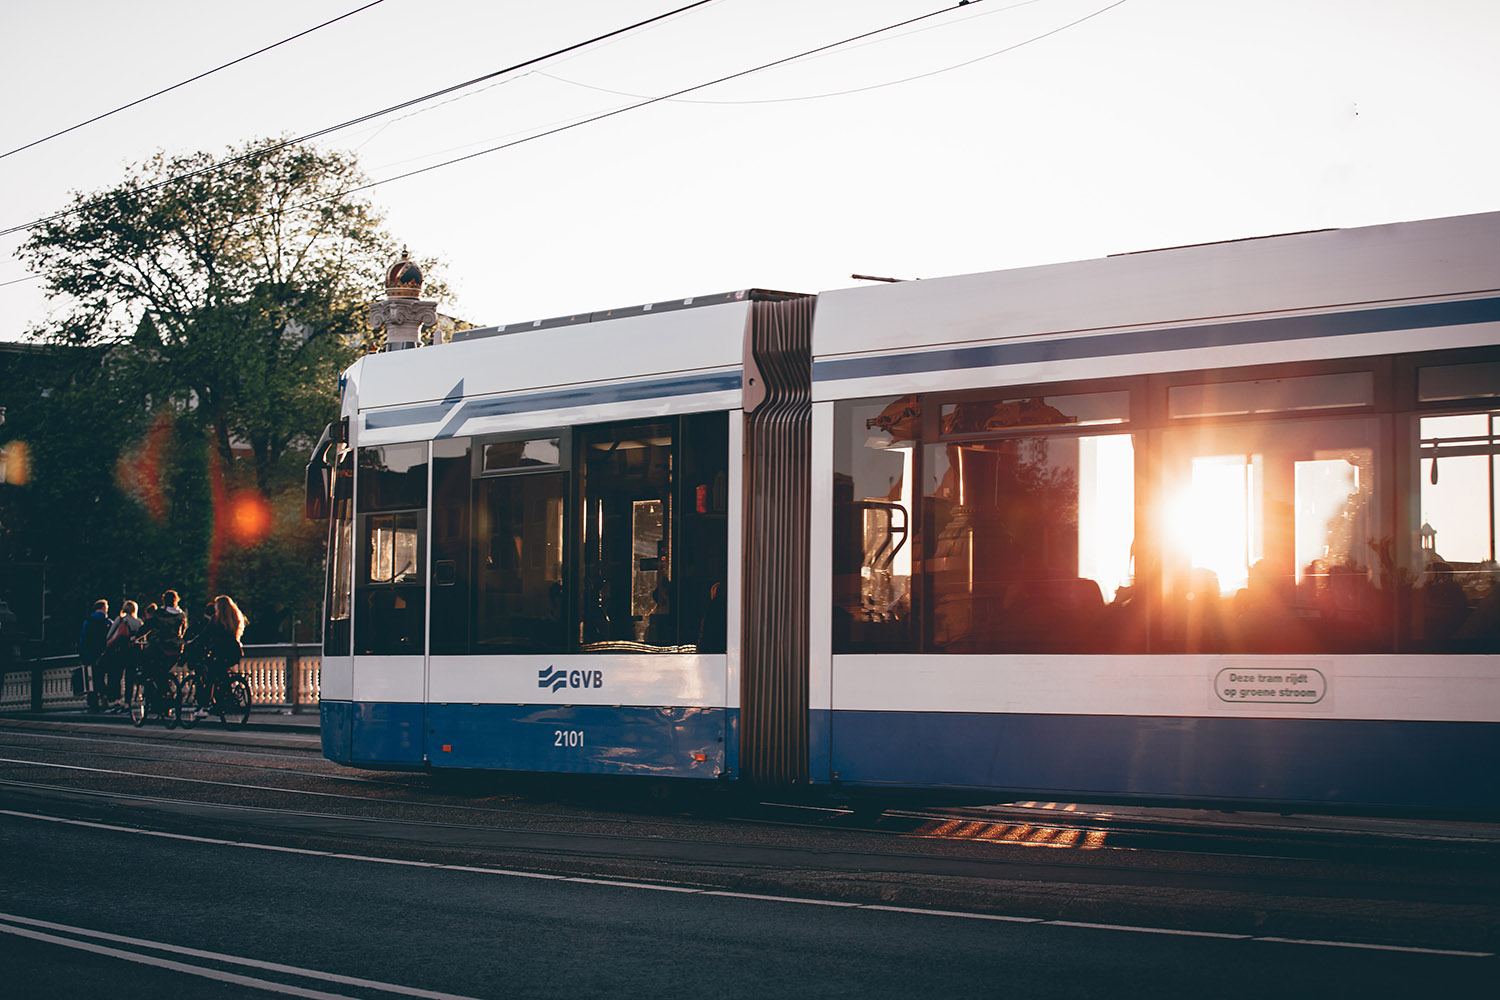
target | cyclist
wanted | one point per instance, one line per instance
(216, 649)
(161, 635)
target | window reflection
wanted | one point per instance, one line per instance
(1270, 538)
(393, 476)
(1031, 541)
(1000, 521)
(526, 453)
(874, 454)
(390, 584)
(1456, 600)
(339, 595)
(453, 564)
(994, 537)
(629, 483)
(519, 592)
(392, 556)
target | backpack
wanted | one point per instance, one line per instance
(167, 630)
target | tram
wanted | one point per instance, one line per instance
(1207, 524)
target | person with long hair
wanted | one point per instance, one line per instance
(228, 615)
(216, 650)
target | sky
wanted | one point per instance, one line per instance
(998, 134)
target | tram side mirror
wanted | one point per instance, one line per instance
(319, 478)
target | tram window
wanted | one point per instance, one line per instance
(701, 575)
(875, 448)
(519, 589)
(390, 616)
(1271, 538)
(1272, 395)
(393, 477)
(1078, 410)
(648, 541)
(628, 593)
(390, 585)
(392, 553)
(525, 454)
(1456, 591)
(1029, 544)
(1446, 382)
(451, 566)
(340, 559)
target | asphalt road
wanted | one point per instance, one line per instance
(482, 934)
(140, 865)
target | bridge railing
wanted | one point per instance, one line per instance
(282, 675)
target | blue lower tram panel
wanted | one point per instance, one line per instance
(1433, 765)
(581, 739)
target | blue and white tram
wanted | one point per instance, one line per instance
(1215, 523)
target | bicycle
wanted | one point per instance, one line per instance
(229, 699)
(153, 687)
(152, 695)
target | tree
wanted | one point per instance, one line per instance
(217, 312)
(237, 291)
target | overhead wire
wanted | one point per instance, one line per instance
(192, 79)
(222, 164)
(873, 86)
(646, 102)
(303, 206)
(643, 29)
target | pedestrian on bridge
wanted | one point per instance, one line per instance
(91, 640)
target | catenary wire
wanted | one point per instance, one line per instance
(361, 119)
(304, 206)
(193, 79)
(374, 133)
(616, 111)
(873, 86)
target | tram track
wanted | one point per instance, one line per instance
(886, 870)
(667, 840)
(693, 838)
(1011, 858)
(989, 827)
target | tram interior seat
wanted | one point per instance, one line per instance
(1064, 614)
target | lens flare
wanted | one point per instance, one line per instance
(249, 518)
(139, 471)
(17, 464)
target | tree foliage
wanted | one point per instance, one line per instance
(236, 292)
(206, 321)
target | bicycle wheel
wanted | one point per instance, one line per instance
(166, 701)
(234, 704)
(139, 703)
(187, 700)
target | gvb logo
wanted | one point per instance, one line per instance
(559, 679)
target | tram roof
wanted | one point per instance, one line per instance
(672, 305)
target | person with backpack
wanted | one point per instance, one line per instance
(91, 647)
(119, 656)
(161, 635)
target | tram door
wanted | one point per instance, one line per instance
(519, 593)
(497, 586)
(390, 598)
